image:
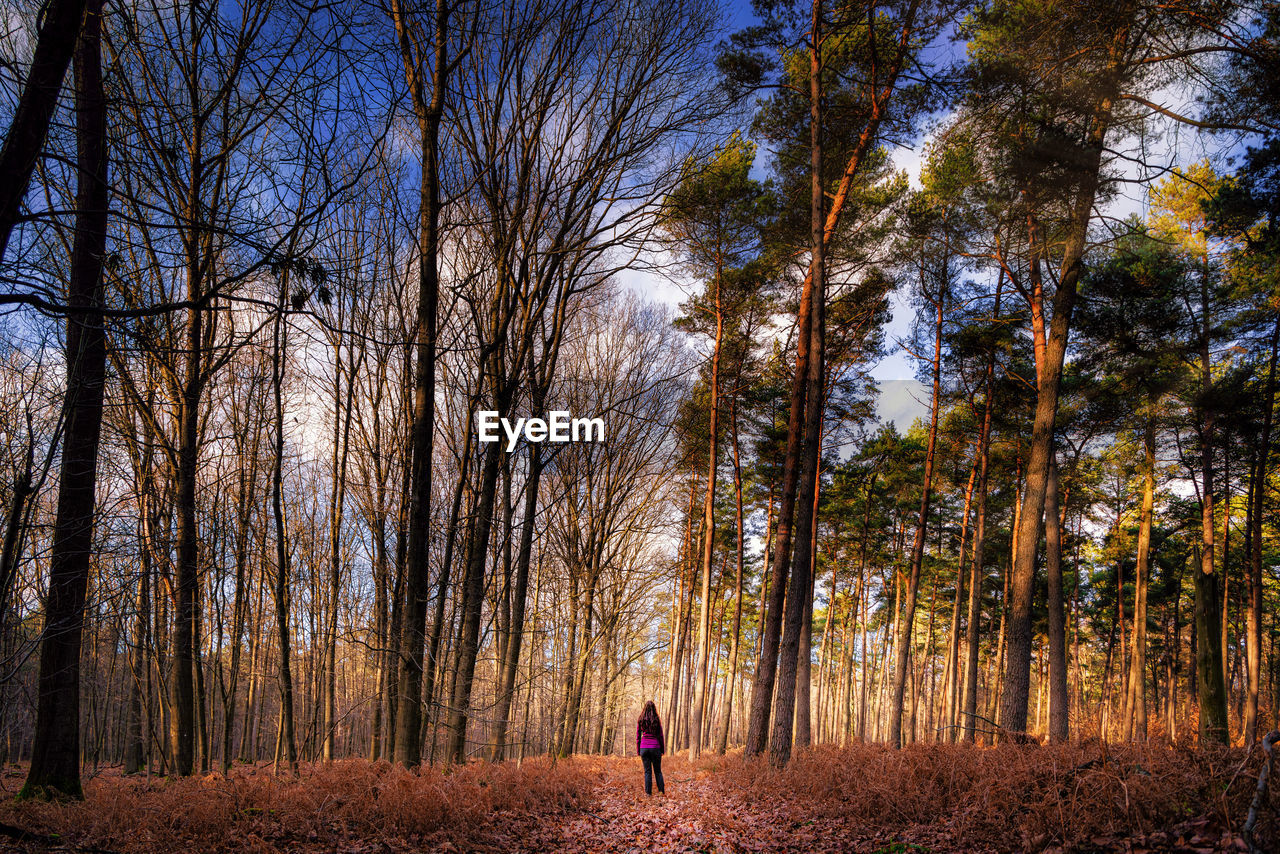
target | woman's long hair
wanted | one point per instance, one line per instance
(649, 719)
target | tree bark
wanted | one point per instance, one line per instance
(337, 500)
(1253, 622)
(1049, 359)
(519, 599)
(951, 681)
(55, 759)
(1136, 722)
(472, 600)
(408, 724)
(808, 406)
(55, 43)
(1210, 679)
(723, 741)
(708, 535)
(1058, 713)
(286, 743)
(973, 618)
(917, 545)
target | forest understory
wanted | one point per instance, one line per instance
(1084, 797)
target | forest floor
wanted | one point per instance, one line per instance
(864, 798)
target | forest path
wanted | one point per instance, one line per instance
(698, 813)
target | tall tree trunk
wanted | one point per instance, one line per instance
(1225, 614)
(507, 677)
(806, 401)
(135, 745)
(408, 749)
(434, 669)
(195, 236)
(244, 514)
(973, 618)
(1210, 680)
(579, 666)
(723, 741)
(1049, 359)
(55, 758)
(377, 733)
(680, 627)
(472, 600)
(952, 678)
(804, 657)
(342, 418)
(1058, 713)
(1253, 628)
(1136, 722)
(807, 375)
(23, 489)
(286, 743)
(922, 519)
(708, 535)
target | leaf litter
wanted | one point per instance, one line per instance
(861, 798)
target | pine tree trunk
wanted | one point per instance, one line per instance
(1136, 722)
(1210, 679)
(723, 741)
(1057, 665)
(917, 545)
(1253, 622)
(679, 628)
(708, 536)
(1049, 360)
(806, 401)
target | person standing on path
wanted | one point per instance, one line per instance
(650, 746)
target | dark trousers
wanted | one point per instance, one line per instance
(652, 759)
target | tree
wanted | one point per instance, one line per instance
(857, 61)
(55, 762)
(424, 54)
(1050, 122)
(713, 216)
(937, 223)
(1178, 217)
(1131, 334)
(549, 193)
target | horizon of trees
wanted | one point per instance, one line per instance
(269, 259)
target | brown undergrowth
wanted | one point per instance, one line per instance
(1080, 797)
(349, 806)
(863, 798)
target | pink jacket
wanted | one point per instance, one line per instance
(648, 740)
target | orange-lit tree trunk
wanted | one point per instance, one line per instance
(806, 421)
(1253, 621)
(708, 531)
(1136, 719)
(969, 703)
(723, 741)
(1058, 717)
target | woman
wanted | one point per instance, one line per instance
(650, 746)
